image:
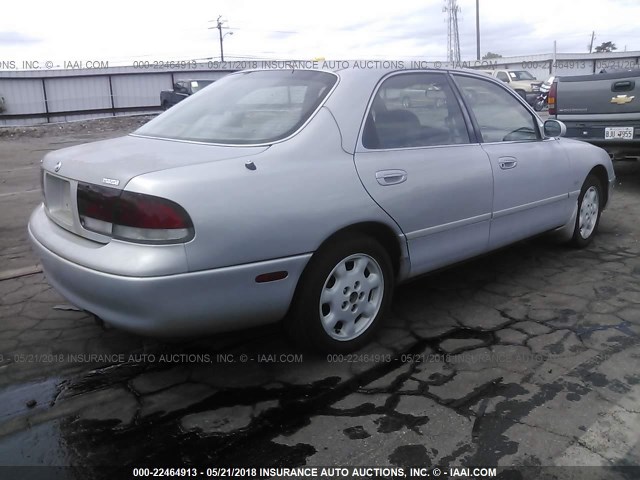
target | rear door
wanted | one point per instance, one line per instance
(532, 178)
(422, 166)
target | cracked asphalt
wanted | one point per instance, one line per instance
(526, 357)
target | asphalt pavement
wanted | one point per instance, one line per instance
(526, 357)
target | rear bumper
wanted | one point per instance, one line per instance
(593, 132)
(182, 304)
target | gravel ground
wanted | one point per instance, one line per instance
(98, 125)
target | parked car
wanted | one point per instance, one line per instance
(304, 195)
(418, 97)
(181, 90)
(522, 82)
(603, 109)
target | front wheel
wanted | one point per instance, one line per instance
(538, 105)
(342, 296)
(589, 210)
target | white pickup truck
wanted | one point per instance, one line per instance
(525, 84)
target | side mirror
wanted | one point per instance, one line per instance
(554, 128)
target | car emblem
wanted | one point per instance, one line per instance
(111, 181)
(622, 99)
(57, 167)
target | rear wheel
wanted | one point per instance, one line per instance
(538, 105)
(589, 210)
(342, 296)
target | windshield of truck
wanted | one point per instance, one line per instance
(521, 75)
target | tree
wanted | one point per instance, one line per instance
(606, 47)
(491, 55)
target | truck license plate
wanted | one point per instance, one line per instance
(618, 133)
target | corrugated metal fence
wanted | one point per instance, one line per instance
(37, 96)
(33, 97)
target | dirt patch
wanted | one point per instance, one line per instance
(98, 125)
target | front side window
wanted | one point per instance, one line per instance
(503, 76)
(499, 115)
(245, 108)
(414, 110)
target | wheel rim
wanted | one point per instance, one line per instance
(589, 212)
(351, 297)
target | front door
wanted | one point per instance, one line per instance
(531, 174)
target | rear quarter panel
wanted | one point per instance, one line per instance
(302, 190)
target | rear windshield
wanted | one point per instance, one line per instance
(245, 108)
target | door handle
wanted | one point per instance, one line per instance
(391, 177)
(507, 162)
(623, 86)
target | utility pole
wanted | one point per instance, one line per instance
(219, 23)
(477, 29)
(593, 37)
(220, 32)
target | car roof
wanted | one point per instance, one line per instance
(350, 99)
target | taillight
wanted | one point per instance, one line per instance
(132, 216)
(551, 98)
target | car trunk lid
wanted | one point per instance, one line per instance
(113, 163)
(600, 94)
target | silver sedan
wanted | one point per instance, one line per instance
(306, 196)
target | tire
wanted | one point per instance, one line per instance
(538, 105)
(340, 313)
(406, 102)
(589, 210)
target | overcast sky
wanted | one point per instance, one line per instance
(122, 31)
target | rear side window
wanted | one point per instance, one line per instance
(245, 108)
(414, 110)
(500, 116)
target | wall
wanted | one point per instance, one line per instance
(39, 96)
